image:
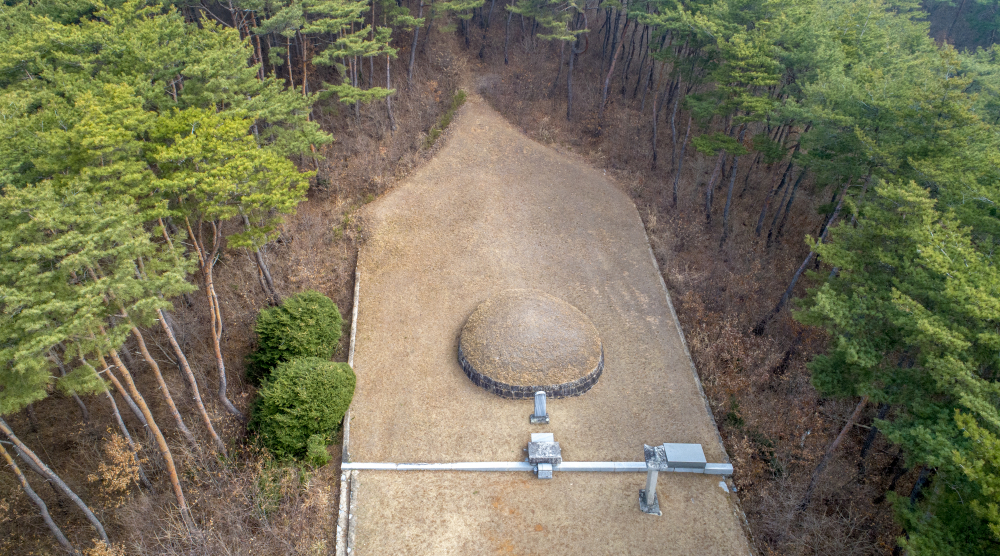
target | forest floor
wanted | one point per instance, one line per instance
(494, 210)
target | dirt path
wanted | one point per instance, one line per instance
(494, 210)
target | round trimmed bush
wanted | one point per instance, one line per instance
(303, 398)
(308, 324)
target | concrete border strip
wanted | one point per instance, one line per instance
(345, 454)
(737, 508)
(352, 513)
(345, 521)
(680, 332)
(342, 523)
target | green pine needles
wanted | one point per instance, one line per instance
(300, 406)
(307, 324)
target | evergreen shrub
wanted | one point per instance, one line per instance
(301, 405)
(308, 324)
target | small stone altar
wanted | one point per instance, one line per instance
(520, 342)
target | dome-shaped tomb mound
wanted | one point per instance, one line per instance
(522, 341)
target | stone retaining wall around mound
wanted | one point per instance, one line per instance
(515, 392)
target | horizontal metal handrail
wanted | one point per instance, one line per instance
(566, 466)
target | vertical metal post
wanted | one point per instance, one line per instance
(650, 490)
(656, 461)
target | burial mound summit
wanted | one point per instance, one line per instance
(523, 341)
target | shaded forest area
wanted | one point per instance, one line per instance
(170, 171)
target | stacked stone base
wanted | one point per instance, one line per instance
(518, 392)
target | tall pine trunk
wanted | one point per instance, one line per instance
(161, 442)
(388, 98)
(182, 362)
(762, 324)
(38, 502)
(128, 438)
(680, 159)
(829, 454)
(413, 46)
(207, 261)
(506, 41)
(711, 186)
(607, 80)
(163, 388)
(784, 215)
(54, 479)
(729, 195)
(770, 196)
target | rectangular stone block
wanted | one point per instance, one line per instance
(685, 455)
(544, 449)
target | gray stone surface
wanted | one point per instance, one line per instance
(685, 455)
(541, 414)
(544, 449)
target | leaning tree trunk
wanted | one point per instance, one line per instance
(262, 268)
(388, 103)
(680, 159)
(607, 80)
(182, 362)
(829, 453)
(573, 53)
(506, 41)
(729, 194)
(161, 442)
(656, 117)
(163, 388)
(562, 59)
(784, 216)
(711, 187)
(151, 362)
(413, 47)
(883, 409)
(38, 502)
(673, 128)
(770, 196)
(762, 324)
(121, 424)
(128, 401)
(128, 438)
(54, 479)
